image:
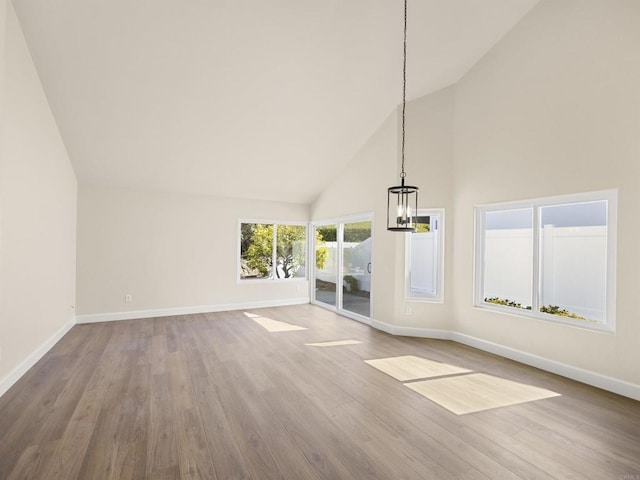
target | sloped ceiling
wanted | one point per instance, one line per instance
(263, 99)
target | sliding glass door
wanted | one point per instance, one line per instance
(326, 264)
(356, 268)
(342, 274)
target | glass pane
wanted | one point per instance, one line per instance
(508, 258)
(423, 258)
(573, 260)
(356, 268)
(326, 264)
(256, 250)
(290, 254)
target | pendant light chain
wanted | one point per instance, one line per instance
(404, 86)
(402, 200)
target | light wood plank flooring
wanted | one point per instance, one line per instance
(216, 396)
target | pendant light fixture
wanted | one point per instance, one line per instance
(402, 200)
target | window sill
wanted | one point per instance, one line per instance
(424, 299)
(252, 281)
(553, 319)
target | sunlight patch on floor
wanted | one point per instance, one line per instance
(273, 325)
(410, 367)
(335, 343)
(477, 392)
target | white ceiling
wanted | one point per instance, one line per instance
(265, 99)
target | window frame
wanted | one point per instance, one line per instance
(611, 199)
(438, 297)
(273, 277)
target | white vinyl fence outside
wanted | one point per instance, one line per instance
(423, 269)
(357, 256)
(573, 268)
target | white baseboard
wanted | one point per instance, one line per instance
(610, 384)
(166, 312)
(7, 382)
(411, 331)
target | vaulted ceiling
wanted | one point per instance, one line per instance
(264, 99)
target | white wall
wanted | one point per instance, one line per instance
(429, 164)
(3, 11)
(555, 109)
(38, 212)
(171, 253)
(362, 187)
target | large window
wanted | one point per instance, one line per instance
(550, 258)
(424, 258)
(272, 251)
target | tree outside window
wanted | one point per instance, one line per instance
(274, 251)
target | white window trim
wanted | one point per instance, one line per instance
(439, 295)
(275, 223)
(611, 196)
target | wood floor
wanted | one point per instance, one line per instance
(216, 396)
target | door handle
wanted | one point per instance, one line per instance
(369, 267)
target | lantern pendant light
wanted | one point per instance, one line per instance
(402, 200)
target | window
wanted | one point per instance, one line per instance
(424, 257)
(550, 258)
(508, 257)
(272, 251)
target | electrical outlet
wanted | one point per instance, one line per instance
(408, 310)
(128, 298)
